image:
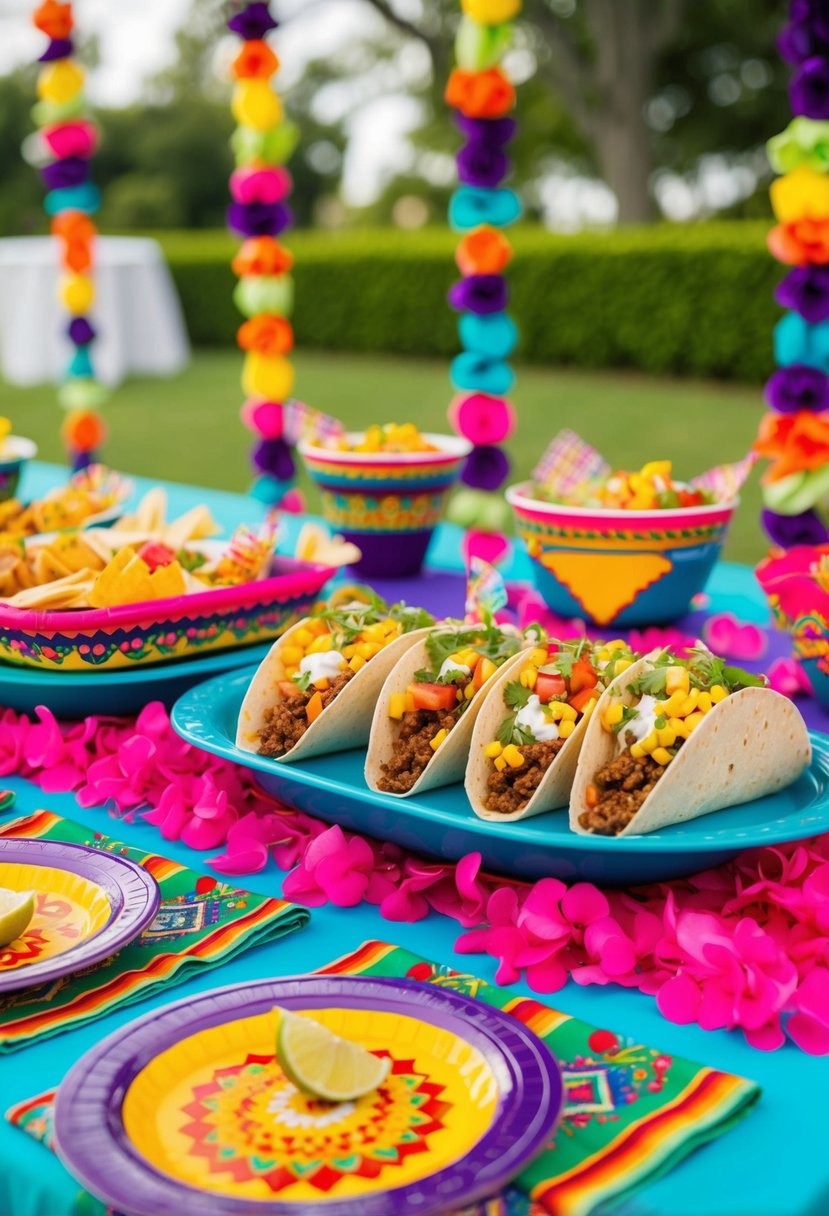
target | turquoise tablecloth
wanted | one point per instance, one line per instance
(773, 1164)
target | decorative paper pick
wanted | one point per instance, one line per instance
(486, 591)
(568, 462)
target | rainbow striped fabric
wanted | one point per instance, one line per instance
(202, 922)
(631, 1113)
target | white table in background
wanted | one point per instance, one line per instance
(137, 313)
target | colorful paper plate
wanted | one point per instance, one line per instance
(88, 905)
(74, 694)
(187, 1111)
(442, 823)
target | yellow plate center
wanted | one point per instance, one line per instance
(217, 1113)
(68, 910)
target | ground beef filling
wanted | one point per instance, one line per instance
(623, 786)
(511, 789)
(286, 722)
(412, 751)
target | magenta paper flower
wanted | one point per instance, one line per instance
(338, 869)
(529, 937)
(734, 639)
(787, 677)
(248, 843)
(791, 578)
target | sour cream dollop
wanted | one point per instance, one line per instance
(640, 726)
(325, 666)
(453, 665)
(533, 719)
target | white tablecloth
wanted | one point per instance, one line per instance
(137, 313)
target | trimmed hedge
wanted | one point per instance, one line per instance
(693, 300)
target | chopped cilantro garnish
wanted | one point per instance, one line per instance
(487, 640)
(302, 679)
(704, 670)
(510, 733)
(190, 561)
(628, 714)
(516, 695)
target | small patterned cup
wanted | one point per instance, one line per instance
(619, 568)
(15, 454)
(386, 503)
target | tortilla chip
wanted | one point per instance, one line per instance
(127, 579)
(69, 592)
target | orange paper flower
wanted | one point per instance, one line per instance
(54, 19)
(83, 430)
(73, 226)
(484, 250)
(803, 243)
(267, 334)
(262, 255)
(77, 255)
(793, 442)
(480, 94)
(255, 59)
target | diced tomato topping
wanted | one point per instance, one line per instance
(156, 554)
(434, 697)
(584, 675)
(689, 498)
(287, 688)
(549, 685)
(579, 699)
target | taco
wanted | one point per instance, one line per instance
(529, 733)
(427, 709)
(676, 738)
(316, 689)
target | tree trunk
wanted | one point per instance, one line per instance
(624, 73)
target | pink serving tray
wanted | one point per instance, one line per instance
(159, 631)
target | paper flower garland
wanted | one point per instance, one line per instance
(67, 138)
(795, 435)
(260, 186)
(482, 96)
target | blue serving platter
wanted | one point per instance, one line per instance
(75, 694)
(442, 824)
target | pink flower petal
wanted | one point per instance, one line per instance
(679, 1000)
(810, 1033)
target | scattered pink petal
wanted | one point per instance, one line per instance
(734, 639)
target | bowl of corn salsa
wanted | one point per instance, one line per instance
(385, 490)
(632, 551)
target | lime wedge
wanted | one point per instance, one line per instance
(322, 1064)
(16, 911)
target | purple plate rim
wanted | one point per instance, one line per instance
(91, 1141)
(133, 895)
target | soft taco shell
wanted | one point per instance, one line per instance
(753, 743)
(557, 782)
(449, 762)
(344, 724)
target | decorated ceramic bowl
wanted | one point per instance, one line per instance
(159, 631)
(388, 504)
(615, 567)
(798, 595)
(15, 454)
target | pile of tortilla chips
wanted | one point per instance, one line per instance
(86, 495)
(143, 558)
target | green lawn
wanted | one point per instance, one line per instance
(188, 429)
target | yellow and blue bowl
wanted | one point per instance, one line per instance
(386, 503)
(618, 568)
(15, 454)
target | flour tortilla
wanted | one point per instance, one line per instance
(343, 724)
(449, 762)
(751, 744)
(554, 790)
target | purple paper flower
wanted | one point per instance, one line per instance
(82, 460)
(481, 165)
(60, 174)
(790, 530)
(486, 468)
(809, 90)
(798, 387)
(805, 289)
(258, 219)
(273, 456)
(80, 332)
(494, 132)
(58, 48)
(252, 22)
(480, 293)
